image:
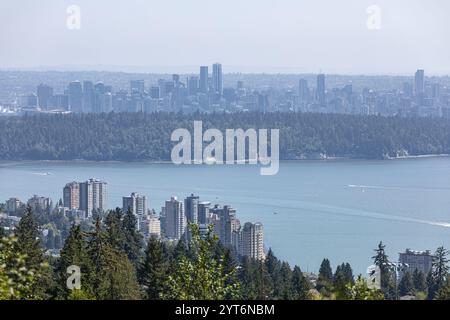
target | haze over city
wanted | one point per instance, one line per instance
(246, 36)
(239, 151)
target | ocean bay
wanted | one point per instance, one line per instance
(338, 209)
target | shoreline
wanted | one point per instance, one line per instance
(330, 159)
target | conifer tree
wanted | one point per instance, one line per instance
(264, 285)
(114, 229)
(153, 272)
(133, 238)
(419, 281)
(431, 285)
(300, 285)
(325, 278)
(246, 275)
(29, 240)
(343, 277)
(113, 274)
(440, 267)
(406, 285)
(381, 260)
(28, 245)
(273, 267)
(286, 292)
(74, 253)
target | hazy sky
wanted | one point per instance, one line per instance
(246, 35)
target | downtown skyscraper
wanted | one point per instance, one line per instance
(217, 79)
(320, 94)
(75, 91)
(204, 79)
(419, 86)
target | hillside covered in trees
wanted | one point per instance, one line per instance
(113, 262)
(138, 136)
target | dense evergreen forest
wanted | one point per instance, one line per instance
(113, 262)
(138, 136)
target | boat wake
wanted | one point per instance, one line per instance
(42, 173)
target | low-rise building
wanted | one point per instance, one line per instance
(416, 260)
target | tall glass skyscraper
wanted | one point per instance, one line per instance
(44, 94)
(321, 89)
(203, 85)
(419, 86)
(75, 96)
(217, 79)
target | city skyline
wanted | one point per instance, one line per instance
(84, 202)
(204, 91)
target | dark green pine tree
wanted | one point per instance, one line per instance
(340, 283)
(273, 267)
(133, 238)
(256, 283)
(300, 285)
(2, 232)
(113, 275)
(437, 278)
(230, 264)
(431, 285)
(419, 281)
(114, 229)
(28, 240)
(121, 277)
(444, 292)
(29, 244)
(246, 278)
(343, 278)
(381, 260)
(286, 292)
(348, 273)
(96, 248)
(176, 253)
(440, 267)
(325, 271)
(325, 278)
(406, 285)
(264, 284)
(153, 271)
(74, 253)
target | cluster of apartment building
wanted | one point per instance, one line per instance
(14, 206)
(85, 198)
(82, 199)
(245, 240)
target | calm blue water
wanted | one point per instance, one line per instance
(334, 209)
